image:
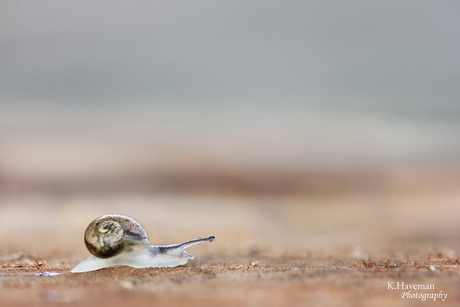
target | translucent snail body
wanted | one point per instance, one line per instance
(117, 240)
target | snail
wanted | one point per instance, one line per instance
(118, 240)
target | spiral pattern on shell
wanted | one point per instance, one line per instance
(108, 235)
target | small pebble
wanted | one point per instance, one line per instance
(127, 284)
(47, 273)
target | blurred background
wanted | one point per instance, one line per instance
(284, 127)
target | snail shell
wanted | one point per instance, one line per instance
(109, 235)
(118, 240)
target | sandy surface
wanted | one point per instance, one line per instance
(338, 247)
(273, 281)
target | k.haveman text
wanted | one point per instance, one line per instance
(402, 286)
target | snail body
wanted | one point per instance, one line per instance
(118, 240)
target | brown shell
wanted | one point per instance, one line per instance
(108, 235)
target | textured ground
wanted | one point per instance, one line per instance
(339, 248)
(272, 281)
